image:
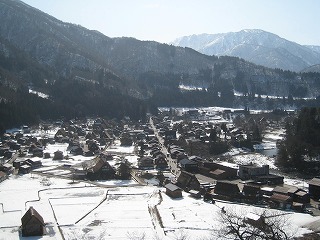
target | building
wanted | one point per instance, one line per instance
(32, 224)
(278, 200)
(251, 192)
(3, 176)
(219, 171)
(252, 171)
(173, 191)
(188, 181)
(58, 155)
(99, 169)
(146, 163)
(228, 189)
(188, 165)
(314, 188)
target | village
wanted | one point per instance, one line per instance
(167, 155)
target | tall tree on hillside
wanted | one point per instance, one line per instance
(302, 139)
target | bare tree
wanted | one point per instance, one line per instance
(254, 226)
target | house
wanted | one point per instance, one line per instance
(76, 150)
(251, 192)
(37, 152)
(188, 165)
(57, 155)
(195, 158)
(218, 174)
(173, 191)
(160, 161)
(170, 135)
(285, 190)
(252, 171)
(188, 181)
(225, 170)
(24, 169)
(18, 162)
(195, 194)
(98, 169)
(34, 163)
(145, 162)
(227, 188)
(301, 196)
(3, 176)
(314, 188)
(32, 224)
(278, 200)
(7, 168)
(78, 174)
(269, 179)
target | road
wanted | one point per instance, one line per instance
(171, 163)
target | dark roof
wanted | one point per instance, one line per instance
(195, 158)
(29, 214)
(285, 189)
(226, 187)
(217, 172)
(2, 174)
(280, 189)
(301, 193)
(95, 164)
(279, 197)
(172, 187)
(250, 188)
(186, 161)
(315, 182)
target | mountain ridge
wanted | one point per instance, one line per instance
(84, 72)
(255, 45)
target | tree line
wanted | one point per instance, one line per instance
(300, 149)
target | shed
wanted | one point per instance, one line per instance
(173, 191)
(32, 223)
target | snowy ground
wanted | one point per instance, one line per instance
(84, 211)
(119, 209)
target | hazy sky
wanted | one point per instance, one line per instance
(165, 20)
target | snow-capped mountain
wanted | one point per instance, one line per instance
(257, 46)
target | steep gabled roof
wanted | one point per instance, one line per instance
(29, 215)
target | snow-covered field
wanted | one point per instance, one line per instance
(117, 209)
(84, 211)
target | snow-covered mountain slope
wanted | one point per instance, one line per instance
(254, 45)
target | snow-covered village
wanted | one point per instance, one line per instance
(103, 179)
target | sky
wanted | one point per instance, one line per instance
(165, 20)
